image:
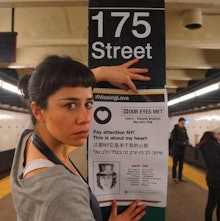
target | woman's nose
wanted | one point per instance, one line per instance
(84, 116)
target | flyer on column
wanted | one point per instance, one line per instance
(128, 146)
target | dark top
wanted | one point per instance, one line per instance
(179, 139)
(211, 152)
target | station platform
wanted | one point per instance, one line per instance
(185, 201)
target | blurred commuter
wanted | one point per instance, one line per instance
(180, 140)
(210, 147)
(45, 184)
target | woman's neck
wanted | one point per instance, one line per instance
(58, 148)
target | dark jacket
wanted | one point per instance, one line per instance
(179, 139)
(211, 152)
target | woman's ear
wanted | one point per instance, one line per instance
(37, 112)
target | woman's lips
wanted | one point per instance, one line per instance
(82, 134)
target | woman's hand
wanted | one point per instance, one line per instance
(132, 213)
(121, 76)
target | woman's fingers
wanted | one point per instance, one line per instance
(138, 212)
(132, 213)
(134, 70)
(114, 210)
(129, 63)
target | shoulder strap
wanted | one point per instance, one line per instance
(46, 151)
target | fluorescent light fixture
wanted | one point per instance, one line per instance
(187, 97)
(9, 87)
(181, 99)
(17, 66)
(196, 93)
(207, 89)
(174, 101)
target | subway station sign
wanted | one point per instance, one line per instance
(122, 30)
(126, 160)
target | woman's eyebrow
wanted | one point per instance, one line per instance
(74, 99)
(91, 98)
(69, 99)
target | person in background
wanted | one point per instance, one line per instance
(45, 184)
(180, 140)
(210, 146)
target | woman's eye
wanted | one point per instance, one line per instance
(89, 105)
(71, 106)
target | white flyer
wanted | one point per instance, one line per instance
(128, 146)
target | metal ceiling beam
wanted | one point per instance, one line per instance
(190, 4)
(42, 3)
(187, 58)
(186, 75)
(169, 4)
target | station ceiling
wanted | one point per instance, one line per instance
(61, 27)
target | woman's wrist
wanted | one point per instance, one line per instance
(99, 74)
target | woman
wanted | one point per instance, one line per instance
(45, 183)
(210, 147)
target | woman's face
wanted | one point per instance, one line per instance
(68, 115)
(218, 137)
(106, 181)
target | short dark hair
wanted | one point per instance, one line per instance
(53, 73)
(181, 119)
(207, 136)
